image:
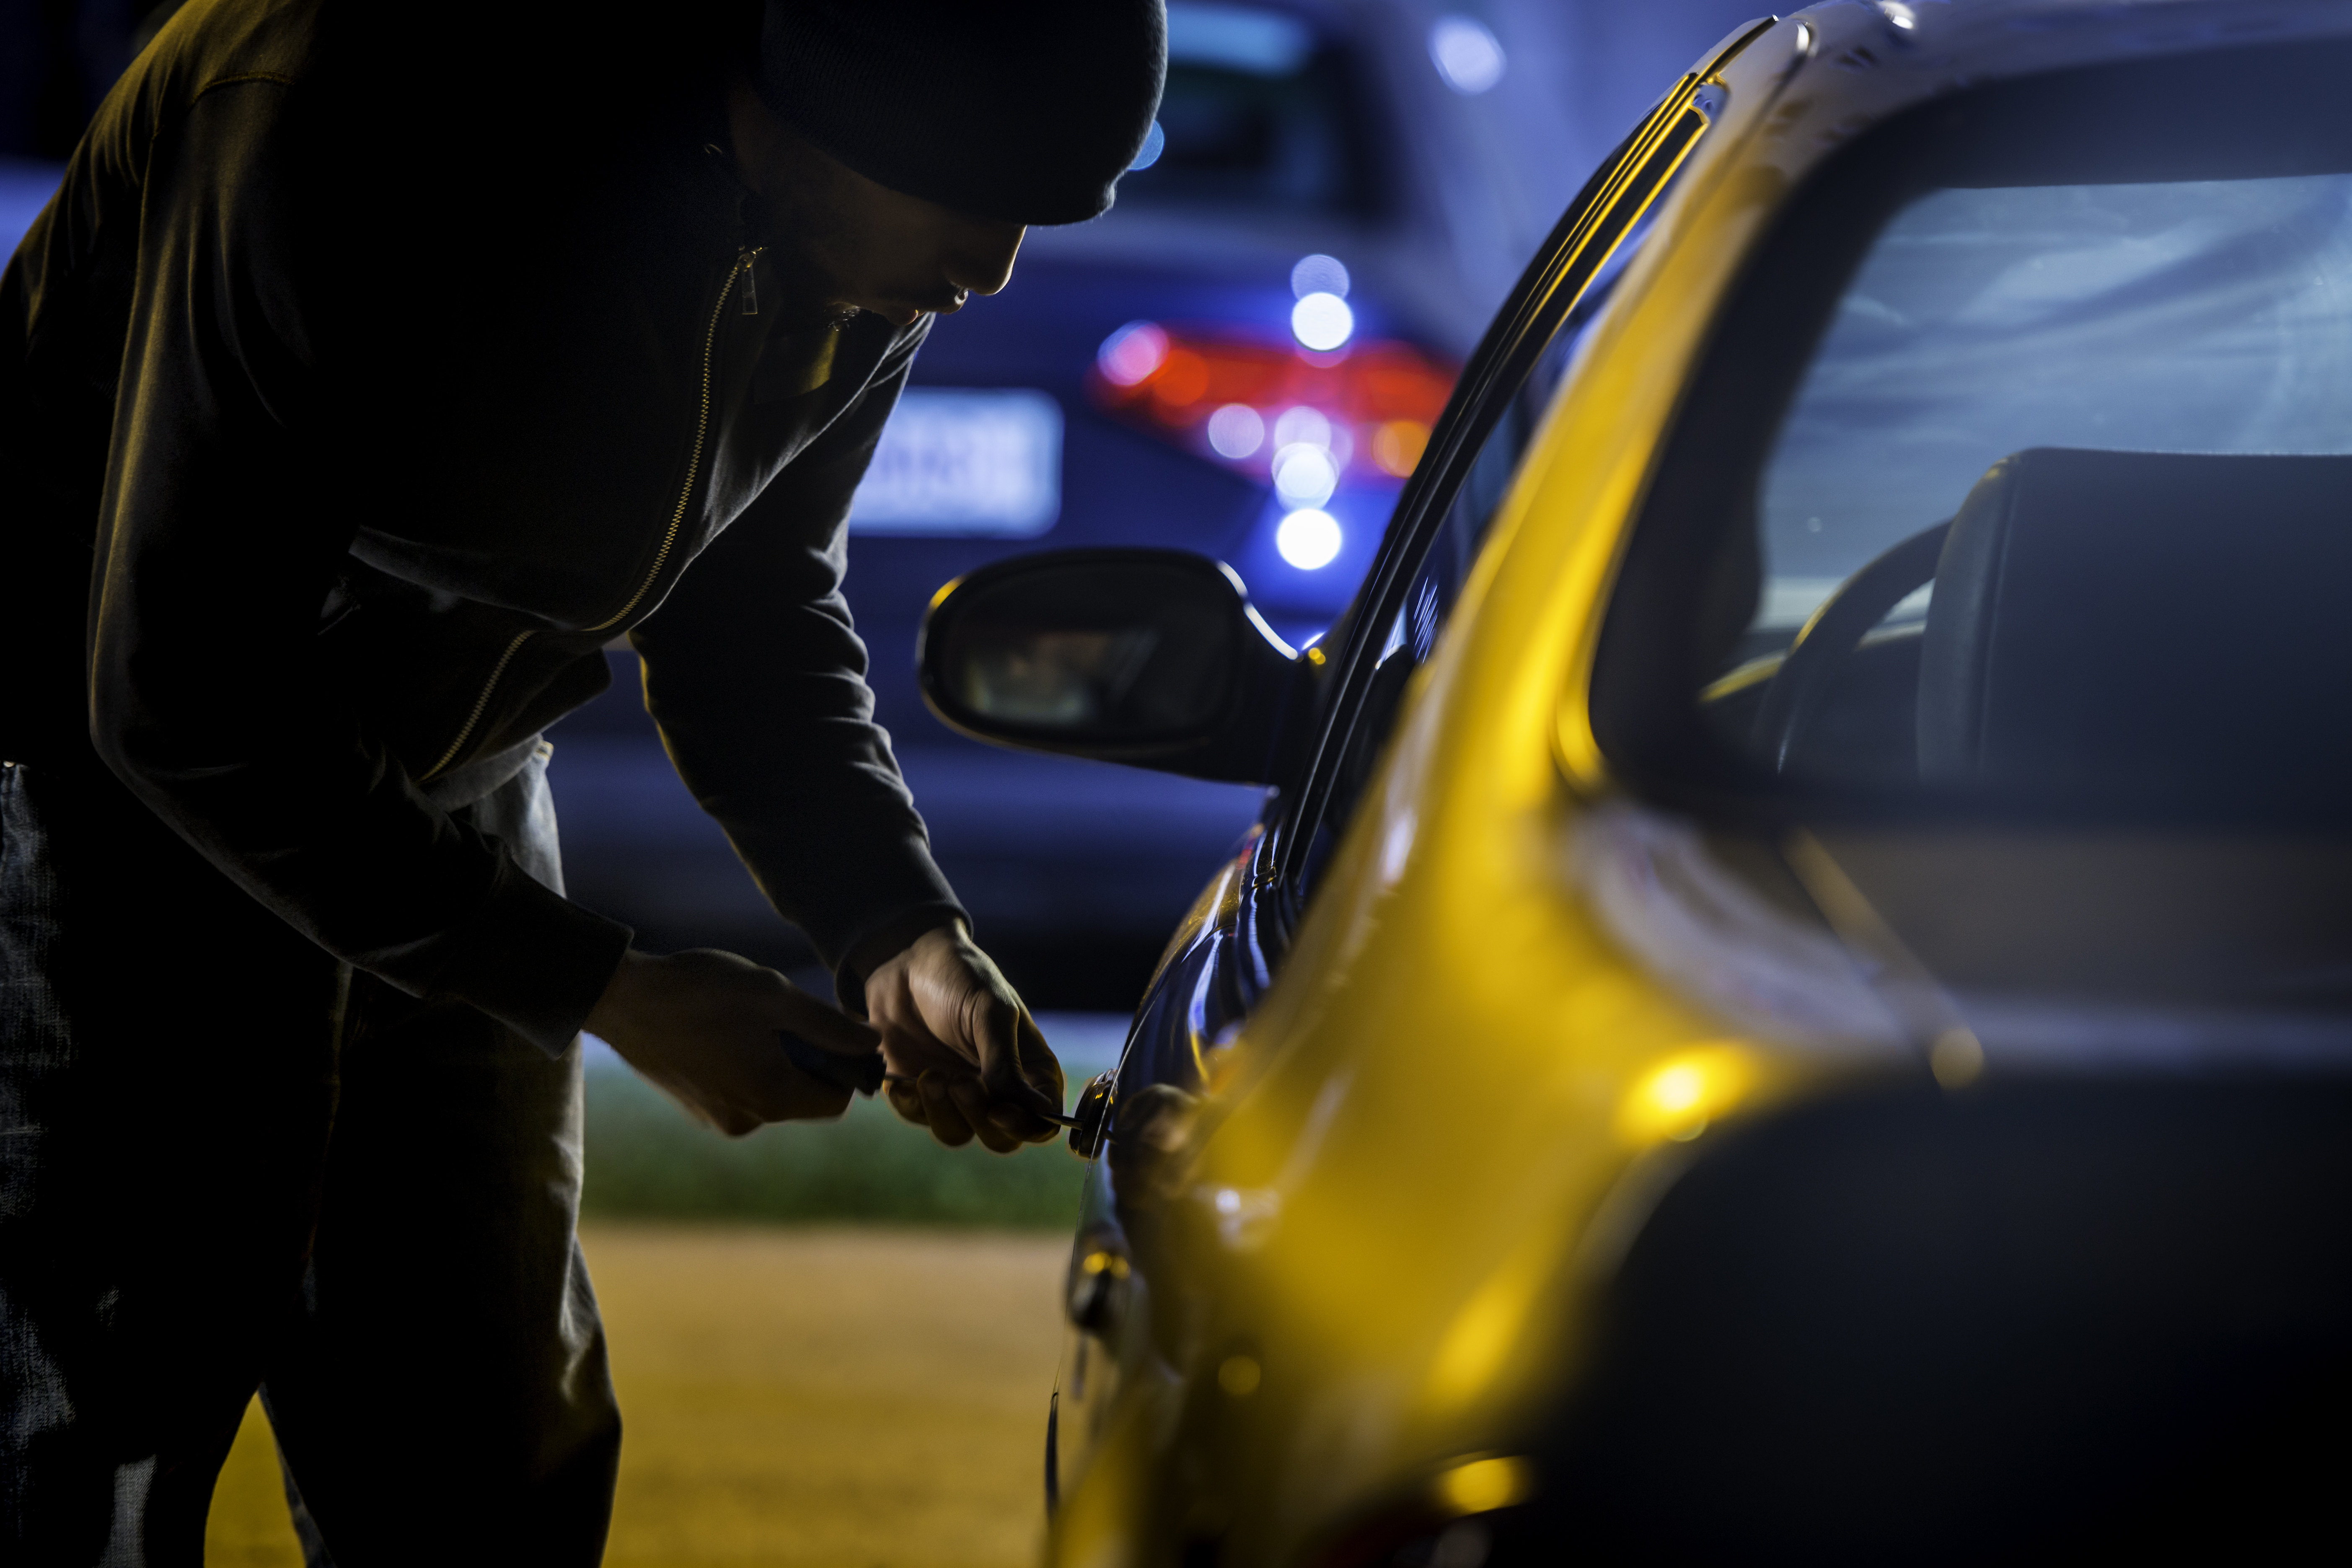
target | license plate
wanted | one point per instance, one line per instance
(965, 462)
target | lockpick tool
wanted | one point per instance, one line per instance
(864, 1074)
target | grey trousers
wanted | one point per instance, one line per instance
(226, 1163)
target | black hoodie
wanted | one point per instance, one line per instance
(351, 403)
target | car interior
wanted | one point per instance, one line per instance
(2010, 483)
(2164, 625)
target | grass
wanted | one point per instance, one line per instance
(647, 1160)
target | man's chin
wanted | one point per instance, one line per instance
(904, 312)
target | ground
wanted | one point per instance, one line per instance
(817, 1398)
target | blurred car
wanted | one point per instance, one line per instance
(1790, 999)
(25, 186)
(1243, 358)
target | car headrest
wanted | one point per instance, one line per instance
(2164, 625)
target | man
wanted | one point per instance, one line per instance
(375, 367)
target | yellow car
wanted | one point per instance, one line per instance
(1792, 999)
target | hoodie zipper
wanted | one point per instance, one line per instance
(742, 270)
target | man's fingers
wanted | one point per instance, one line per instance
(957, 1109)
(767, 1083)
(1008, 1107)
(908, 1102)
(1023, 1128)
(704, 1027)
(1039, 1065)
(982, 1067)
(942, 1114)
(996, 1033)
(973, 1103)
(760, 1085)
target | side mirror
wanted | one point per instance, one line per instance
(1149, 656)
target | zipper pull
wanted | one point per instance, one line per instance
(751, 281)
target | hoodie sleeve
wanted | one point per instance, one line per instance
(217, 538)
(756, 676)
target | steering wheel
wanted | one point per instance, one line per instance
(1826, 641)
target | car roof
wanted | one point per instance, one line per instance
(1862, 62)
(1923, 48)
(2015, 37)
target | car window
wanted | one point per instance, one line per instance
(1261, 113)
(2198, 316)
(1443, 514)
(2056, 509)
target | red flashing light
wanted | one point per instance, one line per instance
(1379, 398)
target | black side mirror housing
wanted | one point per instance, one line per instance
(1152, 658)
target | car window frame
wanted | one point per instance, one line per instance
(1605, 213)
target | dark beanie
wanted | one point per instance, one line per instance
(1028, 111)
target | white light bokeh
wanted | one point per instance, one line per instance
(1319, 274)
(1322, 321)
(1236, 430)
(1308, 539)
(1467, 53)
(1302, 424)
(1304, 475)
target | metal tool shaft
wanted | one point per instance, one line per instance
(1054, 1117)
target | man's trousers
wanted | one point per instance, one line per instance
(228, 1164)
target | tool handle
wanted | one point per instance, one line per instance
(862, 1073)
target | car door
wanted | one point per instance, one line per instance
(1125, 1302)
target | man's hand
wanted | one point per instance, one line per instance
(702, 1026)
(951, 1025)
